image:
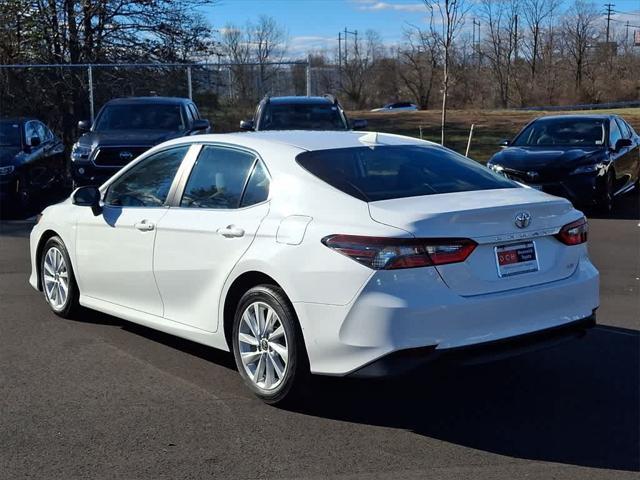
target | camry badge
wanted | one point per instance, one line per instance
(126, 156)
(523, 220)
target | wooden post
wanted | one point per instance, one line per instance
(469, 141)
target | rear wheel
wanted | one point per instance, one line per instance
(267, 345)
(58, 282)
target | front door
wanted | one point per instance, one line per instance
(199, 242)
(114, 250)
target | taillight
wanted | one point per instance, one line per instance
(574, 233)
(382, 253)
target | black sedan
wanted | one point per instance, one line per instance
(32, 161)
(589, 159)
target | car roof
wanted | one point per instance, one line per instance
(590, 116)
(305, 139)
(300, 100)
(148, 101)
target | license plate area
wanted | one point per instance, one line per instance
(516, 259)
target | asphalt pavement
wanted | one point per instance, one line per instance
(101, 398)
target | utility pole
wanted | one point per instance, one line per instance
(339, 51)
(626, 36)
(609, 12)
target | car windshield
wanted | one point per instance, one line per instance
(387, 172)
(140, 117)
(566, 132)
(302, 117)
(9, 134)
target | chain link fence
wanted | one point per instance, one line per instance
(61, 95)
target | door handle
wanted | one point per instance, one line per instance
(144, 225)
(231, 231)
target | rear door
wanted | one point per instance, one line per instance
(203, 236)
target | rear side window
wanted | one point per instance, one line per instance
(218, 178)
(257, 190)
(387, 172)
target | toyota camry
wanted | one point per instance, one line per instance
(333, 253)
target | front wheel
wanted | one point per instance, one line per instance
(58, 282)
(268, 346)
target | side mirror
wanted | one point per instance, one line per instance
(88, 196)
(505, 142)
(622, 143)
(248, 125)
(84, 125)
(200, 125)
(34, 142)
(359, 124)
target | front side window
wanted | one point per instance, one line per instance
(218, 178)
(562, 131)
(302, 117)
(387, 172)
(147, 184)
(624, 128)
(614, 134)
(31, 131)
(140, 117)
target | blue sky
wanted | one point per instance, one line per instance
(314, 24)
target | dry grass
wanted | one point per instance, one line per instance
(490, 126)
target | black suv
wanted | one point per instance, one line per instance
(301, 113)
(127, 127)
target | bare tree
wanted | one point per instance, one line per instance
(451, 15)
(579, 28)
(419, 59)
(500, 45)
(268, 39)
(536, 12)
(357, 67)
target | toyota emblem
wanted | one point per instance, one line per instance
(523, 220)
(126, 156)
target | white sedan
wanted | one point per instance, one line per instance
(334, 253)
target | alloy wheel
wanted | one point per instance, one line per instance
(55, 278)
(263, 346)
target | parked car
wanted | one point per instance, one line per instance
(126, 128)
(301, 113)
(335, 253)
(31, 161)
(589, 159)
(397, 107)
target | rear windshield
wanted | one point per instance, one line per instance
(302, 117)
(140, 117)
(386, 172)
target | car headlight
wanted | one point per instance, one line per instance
(495, 167)
(7, 170)
(594, 167)
(80, 152)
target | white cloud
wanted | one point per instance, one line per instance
(301, 45)
(374, 5)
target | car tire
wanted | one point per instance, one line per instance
(270, 353)
(57, 279)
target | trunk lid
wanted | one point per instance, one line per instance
(489, 218)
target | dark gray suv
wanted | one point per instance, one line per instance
(301, 113)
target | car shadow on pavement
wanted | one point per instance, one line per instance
(575, 404)
(627, 207)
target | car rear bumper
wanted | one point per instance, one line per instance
(416, 309)
(404, 361)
